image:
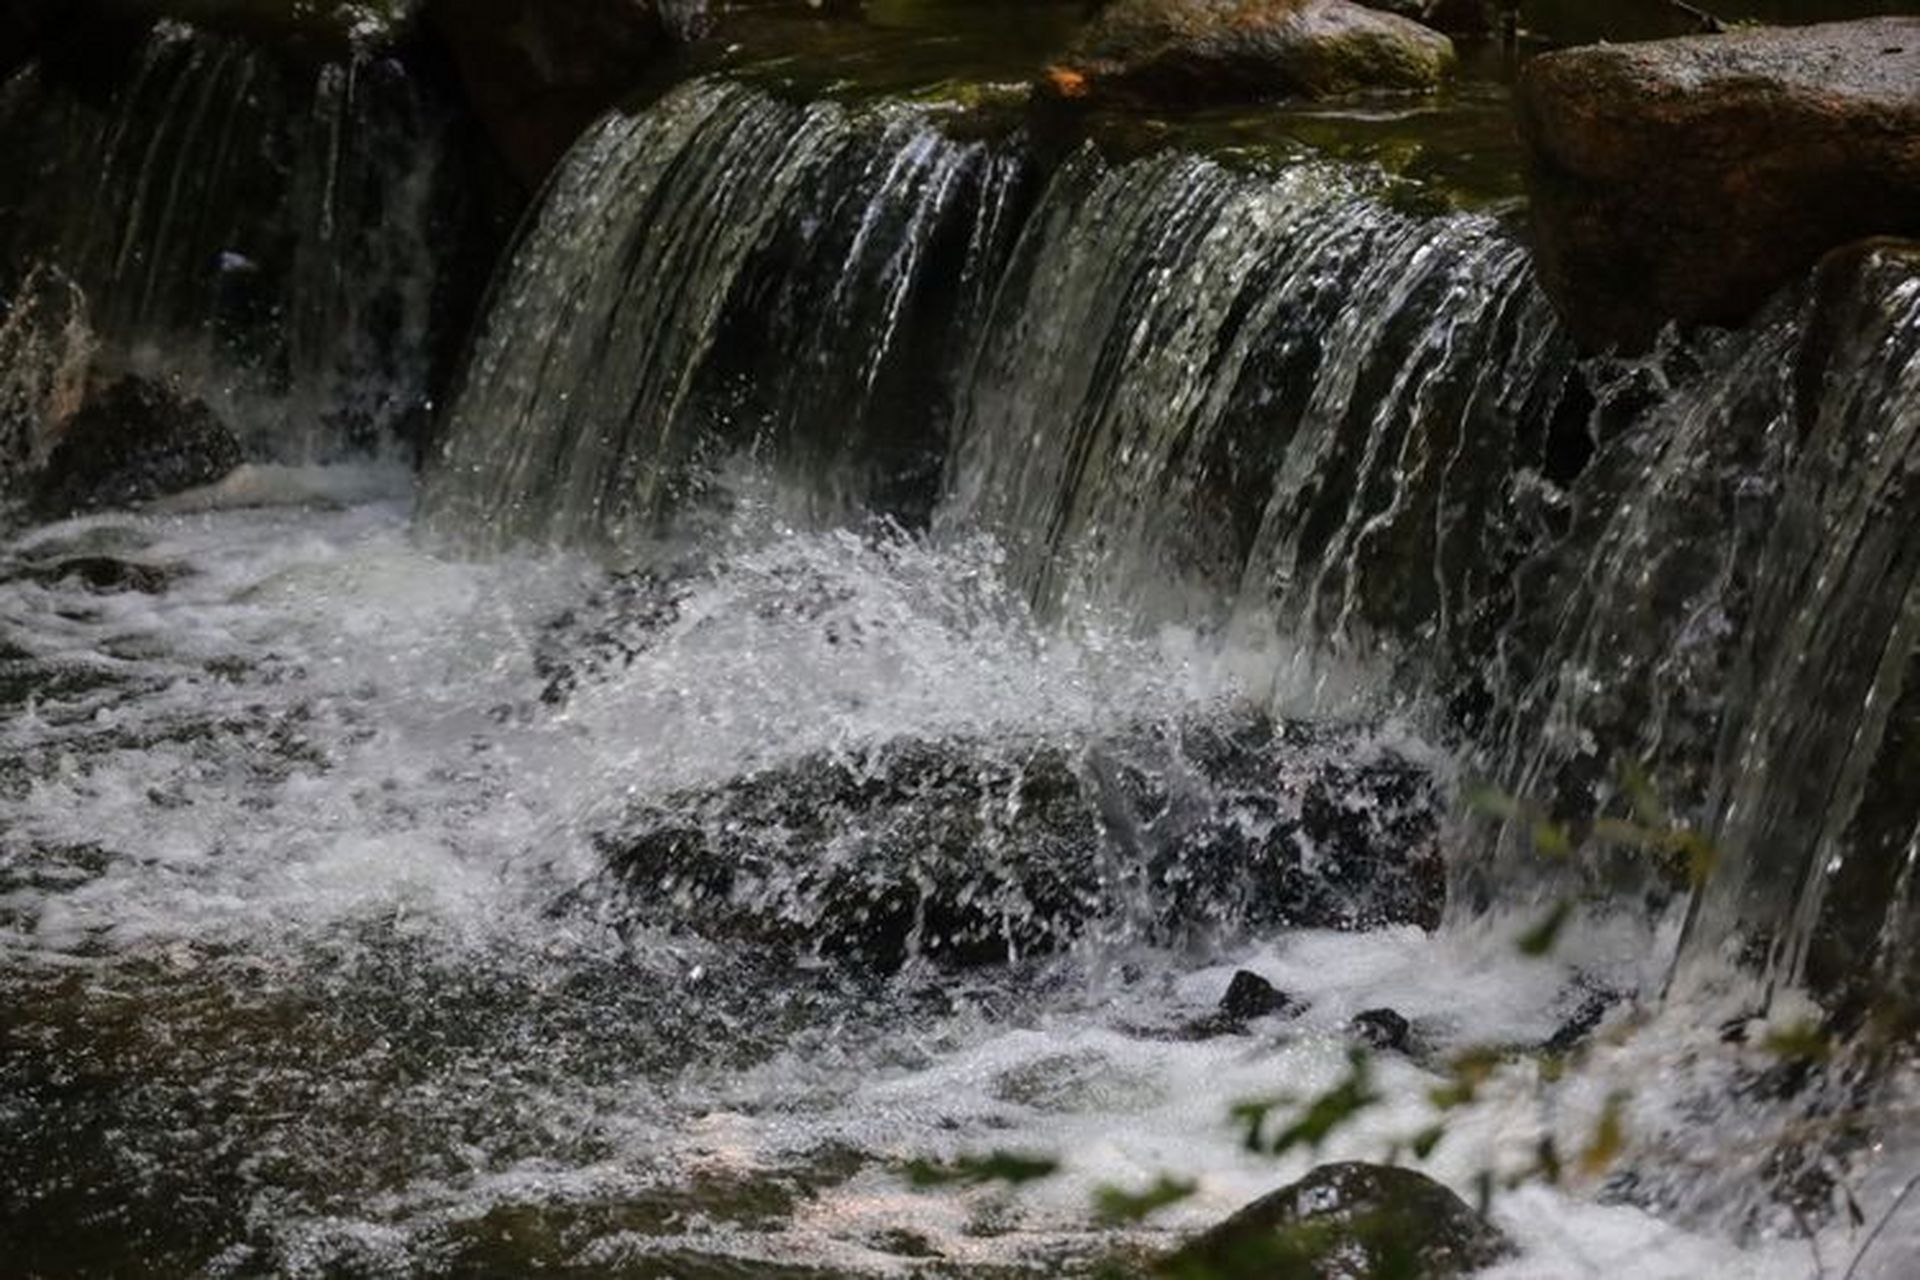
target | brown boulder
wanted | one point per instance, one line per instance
(1200, 51)
(538, 72)
(1689, 179)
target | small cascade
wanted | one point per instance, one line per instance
(724, 272)
(1197, 373)
(267, 231)
(1734, 615)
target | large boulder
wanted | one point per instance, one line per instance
(973, 852)
(131, 442)
(1686, 180)
(1346, 1222)
(538, 72)
(1198, 51)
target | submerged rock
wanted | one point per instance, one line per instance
(1198, 51)
(1688, 179)
(1346, 1221)
(976, 852)
(539, 71)
(131, 442)
(1384, 1029)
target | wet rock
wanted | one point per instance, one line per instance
(1198, 51)
(539, 71)
(1382, 1029)
(1686, 180)
(98, 573)
(602, 636)
(974, 852)
(1251, 996)
(131, 442)
(1455, 17)
(1347, 1221)
(1591, 1005)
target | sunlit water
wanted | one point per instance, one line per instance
(310, 965)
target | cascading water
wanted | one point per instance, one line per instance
(377, 902)
(1276, 380)
(266, 231)
(839, 254)
(1732, 615)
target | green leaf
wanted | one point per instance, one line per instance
(1609, 1136)
(1641, 796)
(1000, 1166)
(1116, 1207)
(1551, 839)
(1251, 1116)
(1539, 940)
(1701, 855)
(1426, 1140)
(1799, 1042)
(1471, 1069)
(1330, 1110)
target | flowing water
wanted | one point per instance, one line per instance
(271, 232)
(429, 874)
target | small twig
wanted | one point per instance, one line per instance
(1893, 1209)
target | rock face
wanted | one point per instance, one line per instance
(134, 441)
(972, 852)
(1346, 1222)
(539, 71)
(1198, 51)
(1688, 179)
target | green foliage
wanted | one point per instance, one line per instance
(999, 1166)
(1679, 849)
(1799, 1042)
(1609, 1136)
(1330, 1110)
(1115, 1207)
(1466, 1073)
(1539, 940)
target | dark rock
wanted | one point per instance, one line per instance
(539, 71)
(1383, 1029)
(972, 852)
(615, 625)
(1251, 996)
(131, 442)
(1688, 179)
(98, 573)
(1590, 1007)
(1346, 1222)
(1199, 51)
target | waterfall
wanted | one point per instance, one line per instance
(271, 233)
(1277, 383)
(726, 272)
(1276, 400)
(1733, 614)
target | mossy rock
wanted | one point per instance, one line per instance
(1198, 52)
(1347, 1221)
